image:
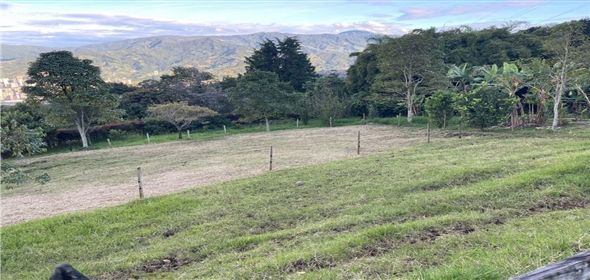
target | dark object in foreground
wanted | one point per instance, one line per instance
(67, 272)
(572, 268)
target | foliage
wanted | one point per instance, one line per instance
(361, 75)
(116, 134)
(569, 46)
(260, 95)
(484, 106)
(73, 89)
(180, 114)
(193, 86)
(409, 63)
(17, 140)
(327, 98)
(462, 77)
(440, 107)
(509, 79)
(285, 59)
(135, 103)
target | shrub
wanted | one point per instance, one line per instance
(440, 107)
(485, 106)
(116, 134)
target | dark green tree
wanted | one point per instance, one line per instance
(485, 106)
(361, 75)
(294, 66)
(284, 58)
(198, 88)
(264, 59)
(18, 140)
(75, 92)
(440, 107)
(260, 95)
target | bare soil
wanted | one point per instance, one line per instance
(100, 178)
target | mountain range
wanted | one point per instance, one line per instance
(135, 60)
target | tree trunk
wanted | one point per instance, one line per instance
(580, 90)
(556, 104)
(180, 134)
(267, 124)
(82, 131)
(409, 105)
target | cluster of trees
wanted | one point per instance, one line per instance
(528, 71)
(67, 92)
(490, 76)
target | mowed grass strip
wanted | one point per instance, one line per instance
(462, 209)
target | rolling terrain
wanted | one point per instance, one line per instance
(144, 58)
(487, 206)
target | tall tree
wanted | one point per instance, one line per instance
(264, 59)
(73, 89)
(294, 66)
(260, 94)
(180, 114)
(284, 58)
(409, 61)
(568, 44)
(361, 75)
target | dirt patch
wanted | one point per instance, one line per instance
(563, 203)
(164, 265)
(150, 270)
(308, 265)
(106, 177)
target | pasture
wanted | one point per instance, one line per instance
(487, 206)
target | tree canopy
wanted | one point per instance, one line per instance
(180, 114)
(284, 58)
(73, 89)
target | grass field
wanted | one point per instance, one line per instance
(481, 207)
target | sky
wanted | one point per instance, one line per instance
(70, 23)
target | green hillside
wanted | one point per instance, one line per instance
(137, 59)
(488, 207)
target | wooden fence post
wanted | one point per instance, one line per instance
(188, 134)
(224, 130)
(428, 132)
(358, 146)
(330, 121)
(399, 119)
(148, 137)
(270, 167)
(109, 141)
(297, 123)
(139, 182)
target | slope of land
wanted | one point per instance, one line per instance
(139, 59)
(100, 178)
(486, 207)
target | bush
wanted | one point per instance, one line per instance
(485, 106)
(116, 134)
(440, 108)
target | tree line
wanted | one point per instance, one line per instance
(485, 77)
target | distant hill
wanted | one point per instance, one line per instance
(139, 59)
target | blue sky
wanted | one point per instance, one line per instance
(78, 22)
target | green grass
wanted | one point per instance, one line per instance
(488, 207)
